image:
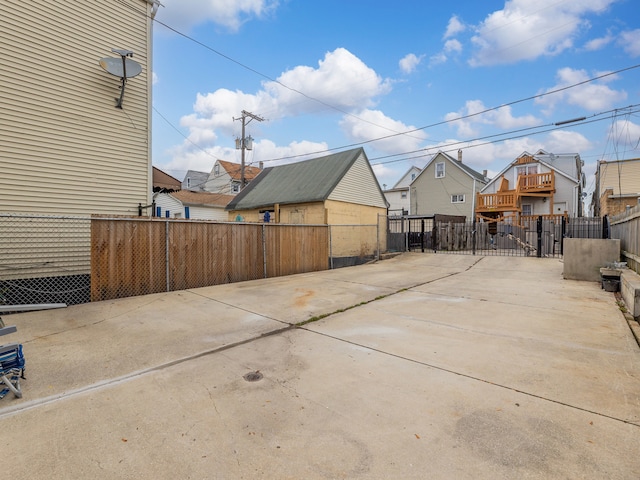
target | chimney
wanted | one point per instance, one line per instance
(484, 173)
(460, 155)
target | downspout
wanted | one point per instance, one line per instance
(154, 9)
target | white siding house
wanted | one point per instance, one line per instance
(226, 177)
(399, 196)
(563, 197)
(192, 205)
(64, 146)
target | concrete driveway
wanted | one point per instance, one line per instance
(422, 366)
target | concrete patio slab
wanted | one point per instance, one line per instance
(425, 366)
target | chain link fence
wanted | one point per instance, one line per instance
(73, 260)
(44, 259)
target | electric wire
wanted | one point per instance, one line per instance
(407, 132)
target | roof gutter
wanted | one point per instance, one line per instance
(155, 4)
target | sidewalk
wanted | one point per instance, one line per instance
(421, 366)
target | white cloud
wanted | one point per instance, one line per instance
(202, 160)
(452, 46)
(437, 59)
(592, 96)
(566, 141)
(480, 155)
(501, 117)
(454, 27)
(385, 174)
(154, 78)
(630, 42)
(598, 43)
(369, 124)
(184, 14)
(341, 81)
(409, 63)
(626, 133)
(528, 29)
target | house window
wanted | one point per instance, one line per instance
(216, 169)
(235, 187)
(526, 170)
(527, 209)
(413, 176)
(403, 194)
(186, 212)
(188, 182)
(440, 170)
(457, 198)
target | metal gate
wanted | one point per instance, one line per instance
(537, 236)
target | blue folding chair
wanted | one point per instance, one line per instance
(11, 369)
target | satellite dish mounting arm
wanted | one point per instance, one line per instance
(124, 54)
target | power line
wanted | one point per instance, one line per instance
(463, 117)
(455, 145)
(408, 132)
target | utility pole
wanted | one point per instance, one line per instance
(245, 143)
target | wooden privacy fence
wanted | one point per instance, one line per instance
(626, 228)
(132, 257)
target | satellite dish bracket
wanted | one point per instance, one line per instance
(124, 82)
(112, 67)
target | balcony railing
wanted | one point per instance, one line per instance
(497, 202)
(536, 183)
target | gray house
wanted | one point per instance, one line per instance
(446, 186)
(195, 181)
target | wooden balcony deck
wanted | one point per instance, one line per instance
(536, 183)
(497, 202)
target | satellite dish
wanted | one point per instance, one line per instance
(114, 66)
(122, 67)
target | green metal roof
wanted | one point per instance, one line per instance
(301, 182)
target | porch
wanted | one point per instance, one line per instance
(507, 203)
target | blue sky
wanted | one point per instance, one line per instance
(403, 79)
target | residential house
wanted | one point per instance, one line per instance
(446, 186)
(192, 205)
(226, 177)
(195, 181)
(398, 195)
(65, 147)
(617, 187)
(540, 184)
(163, 182)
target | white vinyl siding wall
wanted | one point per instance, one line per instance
(209, 213)
(359, 185)
(167, 202)
(622, 177)
(64, 147)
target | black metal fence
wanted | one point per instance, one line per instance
(533, 236)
